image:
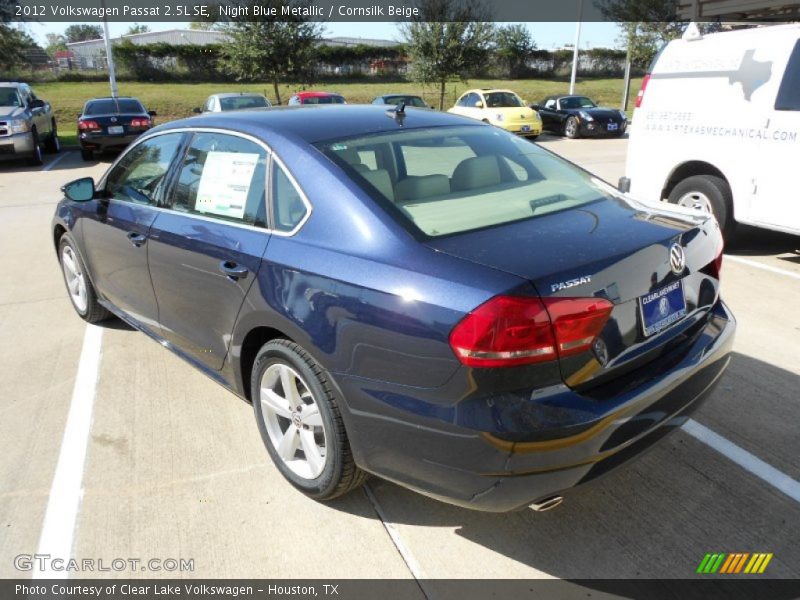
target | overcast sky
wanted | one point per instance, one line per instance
(546, 35)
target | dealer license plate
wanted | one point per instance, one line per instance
(662, 308)
(613, 126)
(115, 130)
(526, 128)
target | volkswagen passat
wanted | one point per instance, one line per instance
(415, 295)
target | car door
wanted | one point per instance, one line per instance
(776, 196)
(549, 115)
(116, 235)
(40, 114)
(206, 247)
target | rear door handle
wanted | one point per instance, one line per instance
(137, 239)
(232, 270)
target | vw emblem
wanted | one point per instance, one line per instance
(113, 119)
(677, 259)
(663, 306)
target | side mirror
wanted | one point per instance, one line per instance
(80, 190)
(535, 106)
(479, 104)
(152, 113)
(36, 103)
(197, 110)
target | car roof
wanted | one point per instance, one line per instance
(113, 98)
(316, 123)
(237, 94)
(489, 91)
(316, 94)
(400, 94)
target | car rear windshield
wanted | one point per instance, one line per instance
(502, 99)
(323, 100)
(111, 106)
(409, 100)
(243, 102)
(447, 180)
(9, 97)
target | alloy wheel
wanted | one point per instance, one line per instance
(293, 422)
(76, 281)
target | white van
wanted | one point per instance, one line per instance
(717, 127)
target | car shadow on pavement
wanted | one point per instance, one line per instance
(752, 241)
(655, 517)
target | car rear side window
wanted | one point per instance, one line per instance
(288, 208)
(789, 92)
(222, 176)
(141, 174)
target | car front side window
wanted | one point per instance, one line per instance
(222, 176)
(140, 175)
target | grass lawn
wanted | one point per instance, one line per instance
(176, 100)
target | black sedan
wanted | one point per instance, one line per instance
(578, 116)
(396, 99)
(111, 124)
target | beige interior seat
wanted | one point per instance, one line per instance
(476, 172)
(380, 180)
(416, 188)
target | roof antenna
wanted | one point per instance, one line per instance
(398, 113)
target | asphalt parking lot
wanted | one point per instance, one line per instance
(174, 466)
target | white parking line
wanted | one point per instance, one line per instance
(749, 462)
(758, 265)
(56, 161)
(66, 492)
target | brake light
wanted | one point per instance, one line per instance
(714, 268)
(577, 322)
(640, 95)
(88, 125)
(139, 123)
(508, 331)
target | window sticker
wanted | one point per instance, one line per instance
(225, 183)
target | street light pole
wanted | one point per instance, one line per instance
(112, 78)
(575, 49)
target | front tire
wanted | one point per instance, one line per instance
(709, 193)
(572, 128)
(80, 288)
(300, 422)
(36, 159)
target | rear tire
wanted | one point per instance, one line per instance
(79, 287)
(302, 427)
(36, 159)
(708, 192)
(53, 144)
(87, 155)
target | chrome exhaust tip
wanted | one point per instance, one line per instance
(547, 503)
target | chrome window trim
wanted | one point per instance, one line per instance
(271, 155)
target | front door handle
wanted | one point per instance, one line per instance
(137, 239)
(232, 270)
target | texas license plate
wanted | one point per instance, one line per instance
(662, 308)
(115, 129)
(613, 126)
(526, 128)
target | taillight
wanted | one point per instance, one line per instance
(714, 268)
(577, 322)
(139, 123)
(508, 330)
(640, 95)
(88, 125)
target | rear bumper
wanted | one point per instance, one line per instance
(16, 146)
(589, 129)
(400, 436)
(100, 142)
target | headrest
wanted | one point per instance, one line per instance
(476, 172)
(412, 189)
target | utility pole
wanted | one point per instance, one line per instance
(112, 78)
(575, 49)
(627, 91)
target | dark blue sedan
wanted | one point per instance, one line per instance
(410, 294)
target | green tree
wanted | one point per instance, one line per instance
(55, 43)
(137, 28)
(81, 33)
(13, 43)
(448, 41)
(646, 26)
(271, 50)
(514, 46)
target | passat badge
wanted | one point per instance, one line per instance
(563, 285)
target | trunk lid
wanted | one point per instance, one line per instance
(611, 249)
